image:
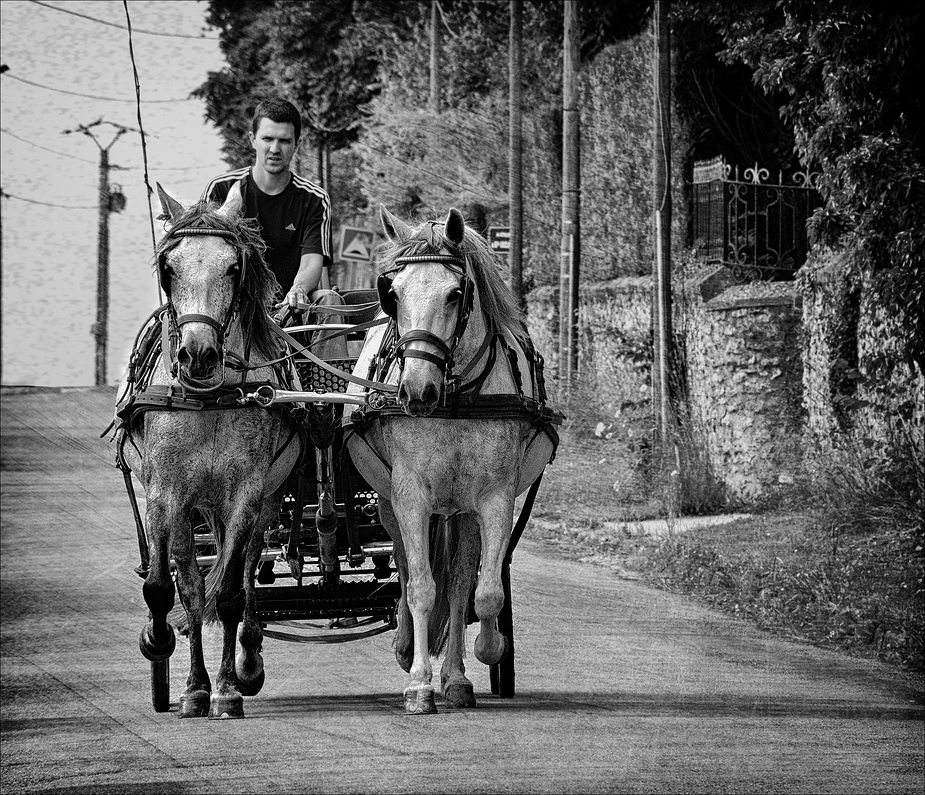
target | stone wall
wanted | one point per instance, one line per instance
(844, 329)
(744, 374)
(743, 367)
(615, 348)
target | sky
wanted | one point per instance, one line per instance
(66, 70)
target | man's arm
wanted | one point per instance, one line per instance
(306, 280)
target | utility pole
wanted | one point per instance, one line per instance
(3, 68)
(109, 203)
(569, 252)
(515, 169)
(661, 195)
(434, 104)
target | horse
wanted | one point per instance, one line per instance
(226, 465)
(468, 431)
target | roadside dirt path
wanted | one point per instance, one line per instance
(620, 687)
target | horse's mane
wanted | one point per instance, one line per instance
(498, 303)
(258, 284)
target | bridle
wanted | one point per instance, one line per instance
(389, 303)
(178, 321)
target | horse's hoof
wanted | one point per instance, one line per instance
(156, 652)
(459, 695)
(420, 701)
(490, 656)
(194, 704)
(226, 707)
(250, 677)
(252, 686)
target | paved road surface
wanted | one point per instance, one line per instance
(621, 688)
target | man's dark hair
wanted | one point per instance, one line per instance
(279, 111)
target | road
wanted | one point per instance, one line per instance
(621, 688)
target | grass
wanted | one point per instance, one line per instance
(829, 572)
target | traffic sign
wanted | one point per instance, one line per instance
(499, 239)
(356, 244)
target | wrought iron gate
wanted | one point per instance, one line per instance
(755, 228)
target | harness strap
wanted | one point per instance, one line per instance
(522, 520)
(375, 385)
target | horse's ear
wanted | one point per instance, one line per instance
(234, 204)
(454, 227)
(396, 230)
(170, 207)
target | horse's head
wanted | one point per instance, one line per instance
(200, 265)
(428, 292)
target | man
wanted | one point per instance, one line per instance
(295, 220)
(294, 213)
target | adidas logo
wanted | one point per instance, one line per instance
(290, 228)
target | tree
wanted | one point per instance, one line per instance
(850, 73)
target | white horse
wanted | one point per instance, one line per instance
(223, 463)
(468, 433)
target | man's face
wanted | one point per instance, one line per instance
(274, 143)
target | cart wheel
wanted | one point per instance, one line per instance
(160, 685)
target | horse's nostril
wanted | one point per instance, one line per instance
(431, 395)
(183, 356)
(209, 359)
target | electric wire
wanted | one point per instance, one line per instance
(93, 162)
(141, 130)
(203, 37)
(6, 195)
(95, 96)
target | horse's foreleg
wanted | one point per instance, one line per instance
(465, 542)
(496, 517)
(420, 592)
(157, 640)
(194, 703)
(404, 634)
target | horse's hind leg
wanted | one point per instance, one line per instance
(230, 598)
(464, 561)
(248, 664)
(496, 517)
(194, 703)
(157, 640)
(404, 634)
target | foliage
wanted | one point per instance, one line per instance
(850, 75)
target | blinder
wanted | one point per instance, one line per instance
(387, 299)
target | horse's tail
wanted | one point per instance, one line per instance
(441, 553)
(217, 572)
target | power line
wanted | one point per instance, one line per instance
(6, 195)
(202, 37)
(53, 151)
(114, 167)
(94, 96)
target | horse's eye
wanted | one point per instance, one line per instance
(454, 296)
(233, 270)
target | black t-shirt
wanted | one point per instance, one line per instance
(294, 222)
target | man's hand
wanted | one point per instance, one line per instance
(297, 295)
